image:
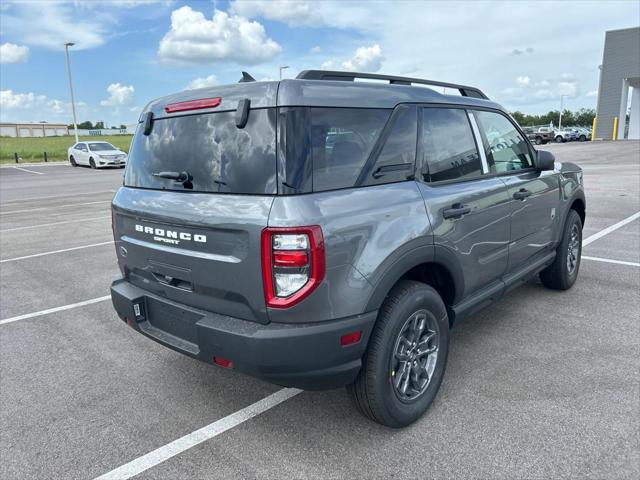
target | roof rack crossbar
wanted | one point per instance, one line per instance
(464, 90)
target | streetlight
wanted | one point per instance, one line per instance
(560, 121)
(73, 103)
(283, 68)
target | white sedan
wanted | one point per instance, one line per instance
(96, 155)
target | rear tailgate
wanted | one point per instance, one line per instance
(200, 249)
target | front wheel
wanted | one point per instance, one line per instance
(559, 139)
(538, 140)
(583, 138)
(72, 161)
(92, 163)
(404, 364)
(563, 272)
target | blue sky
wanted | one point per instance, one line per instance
(522, 54)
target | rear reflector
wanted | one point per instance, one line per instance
(193, 105)
(223, 362)
(350, 338)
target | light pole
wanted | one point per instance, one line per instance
(73, 103)
(283, 68)
(561, 107)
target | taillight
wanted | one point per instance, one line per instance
(193, 105)
(293, 264)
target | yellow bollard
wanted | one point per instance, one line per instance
(615, 129)
(593, 129)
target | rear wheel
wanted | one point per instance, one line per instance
(404, 364)
(92, 163)
(72, 161)
(563, 272)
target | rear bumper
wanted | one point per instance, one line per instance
(307, 356)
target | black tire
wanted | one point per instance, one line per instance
(72, 161)
(538, 140)
(559, 139)
(559, 275)
(583, 138)
(92, 163)
(373, 391)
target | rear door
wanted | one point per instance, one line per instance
(196, 239)
(469, 211)
(533, 195)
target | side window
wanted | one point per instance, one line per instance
(508, 150)
(341, 141)
(448, 145)
(396, 159)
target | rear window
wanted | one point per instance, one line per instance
(216, 154)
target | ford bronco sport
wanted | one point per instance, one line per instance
(321, 231)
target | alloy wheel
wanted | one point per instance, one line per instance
(573, 249)
(414, 357)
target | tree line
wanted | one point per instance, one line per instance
(580, 118)
(96, 126)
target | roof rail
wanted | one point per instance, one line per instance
(464, 90)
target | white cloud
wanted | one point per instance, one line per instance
(592, 93)
(523, 81)
(202, 82)
(12, 53)
(51, 24)
(309, 13)
(316, 49)
(119, 95)
(367, 59)
(296, 13)
(29, 106)
(195, 39)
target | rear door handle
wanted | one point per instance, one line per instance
(522, 194)
(456, 211)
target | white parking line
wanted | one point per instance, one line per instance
(610, 229)
(29, 171)
(22, 200)
(91, 219)
(54, 310)
(67, 205)
(55, 251)
(608, 260)
(192, 439)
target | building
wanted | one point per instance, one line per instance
(619, 74)
(42, 129)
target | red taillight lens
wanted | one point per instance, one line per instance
(290, 259)
(293, 264)
(193, 105)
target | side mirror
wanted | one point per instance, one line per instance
(545, 161)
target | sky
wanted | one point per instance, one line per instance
(522, 54)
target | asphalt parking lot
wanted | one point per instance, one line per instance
(541, 384)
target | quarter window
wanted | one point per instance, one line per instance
(508, 150)
(448, 145)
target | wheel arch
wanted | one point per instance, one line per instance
(435, 267)
(579, 206)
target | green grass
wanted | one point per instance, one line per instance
(31, 149)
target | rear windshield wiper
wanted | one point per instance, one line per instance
(182, 177)
(177, 176)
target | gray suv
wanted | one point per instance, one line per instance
(319, 232)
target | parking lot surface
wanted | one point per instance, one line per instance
(541, 384)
